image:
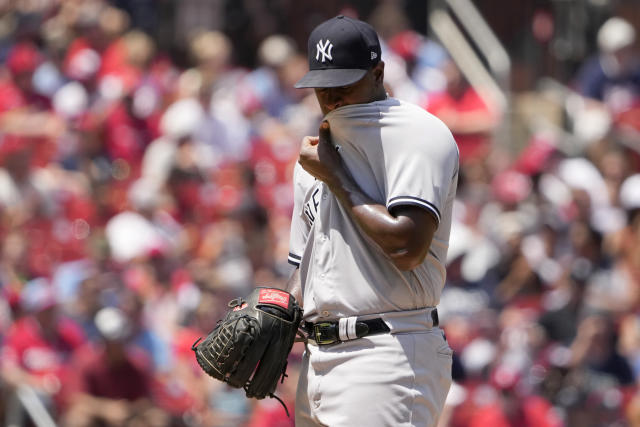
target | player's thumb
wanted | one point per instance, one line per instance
(325, 131)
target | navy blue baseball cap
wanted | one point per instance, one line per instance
(341, 51)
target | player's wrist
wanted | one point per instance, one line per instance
(341, 190)
(341, 182)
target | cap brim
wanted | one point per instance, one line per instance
(332, 77)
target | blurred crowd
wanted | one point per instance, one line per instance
(138, 195)
(542, 299)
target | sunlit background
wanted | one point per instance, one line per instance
(146, 156)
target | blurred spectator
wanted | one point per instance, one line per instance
(511, 410)
(22, 62)
(273, 82)
(595, 349)
(414, 66)
(613, 75)
(465, 112)
(142, 336)
(24, 111)
(39, 345)
(111, 385)
(563, 312)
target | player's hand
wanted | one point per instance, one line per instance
(318, 156)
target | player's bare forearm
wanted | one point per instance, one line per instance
(404, 236)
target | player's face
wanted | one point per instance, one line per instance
(365, 90)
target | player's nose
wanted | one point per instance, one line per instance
(333, 101)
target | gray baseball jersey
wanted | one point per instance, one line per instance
(399, 155)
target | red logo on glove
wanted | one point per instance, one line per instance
(274, 296)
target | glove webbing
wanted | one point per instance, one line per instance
(218, 352)
(229, 348)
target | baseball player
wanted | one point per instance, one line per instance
(369, 235)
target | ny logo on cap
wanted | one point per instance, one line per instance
(324, 50)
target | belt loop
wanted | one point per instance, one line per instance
(351, 328)
(342, 329)
(435, 321)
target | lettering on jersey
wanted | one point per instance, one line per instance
(314, 199)
(310, 208)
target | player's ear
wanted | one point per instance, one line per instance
(378, 72)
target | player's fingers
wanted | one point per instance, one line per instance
(310, 140)
(325, 131)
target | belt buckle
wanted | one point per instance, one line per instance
(323, 329)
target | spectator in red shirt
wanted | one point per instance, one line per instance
(510, 411)
(25, 113)
(22, 62)
(465, 112)
(39, 344)
(112, 384)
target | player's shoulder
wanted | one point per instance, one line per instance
(419, 116)
(418, 124)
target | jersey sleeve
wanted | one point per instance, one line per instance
(299, 228)
(421, 163)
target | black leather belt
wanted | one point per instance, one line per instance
(326, 333)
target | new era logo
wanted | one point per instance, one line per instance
(324, 50)
(374, 55)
